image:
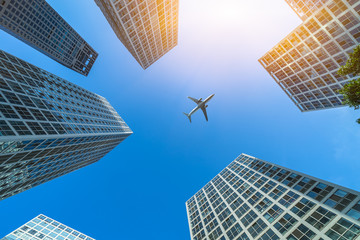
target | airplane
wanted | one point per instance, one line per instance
(200, 105)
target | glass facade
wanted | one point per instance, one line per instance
(45, 228)
(305, 63)
(255, 199)
(147, 28)
(305, 8)
(49, 126)
(37, 24)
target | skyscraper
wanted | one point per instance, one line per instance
(305, 62)
(49, 126)
(147, 28)
(255, 199)
(45, 228)
(37, 24)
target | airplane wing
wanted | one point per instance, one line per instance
(205, 114)
(195, 100)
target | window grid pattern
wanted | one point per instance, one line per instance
(45, 228)
(305, 63)
(233, 196)
(49, 126)
(305, 8)
(40, 26)
(148, 29)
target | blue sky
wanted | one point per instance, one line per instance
(138, 191)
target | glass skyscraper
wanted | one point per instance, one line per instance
(45, 228)
(49, 126)
(147, 28)
(37, 24)
(255, 199)
(305, 63)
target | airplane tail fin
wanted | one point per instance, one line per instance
(188, 116)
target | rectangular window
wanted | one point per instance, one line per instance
(354, 212)
(263, 205)
(234, 231)
(249, 218)
(257, 228)
(320, 218)
(302, 232)
(288, 199)
(340, 200)
(320, 191)
(255, 198)
(268, 186)
(343, 229)
(242, 210)
(269, 235)
(274, 212)
(285, 223)
(229, 222)
(277, 192)
(302, 207)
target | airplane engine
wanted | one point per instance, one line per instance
(206, 106)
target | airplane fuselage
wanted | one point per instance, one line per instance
(200, 105)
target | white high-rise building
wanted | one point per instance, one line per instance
(147, 28)
(305, 63)
(45, 228)
(49, 126)
(258, 200)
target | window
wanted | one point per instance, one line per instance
(263, 205)
(200, 235)
(354, 212)
(242, 210)
(302, 207)
(274, 212)
(285, 223)
(257, 228)
(8, 112)
(288, 199)
(320, 218)
(273, 170)
(212, 225)
(5, 130)
(269, 235)
(24, 113)
(215, 234)
(277, 192)
(301, 233)
(291, 179)
(228, 222)
(345, 41)
(340, 200)
(334, 29)
(221, 207)
(236, 203)
(320, 191)
(343, 229)
(20, 128)
(249, 192)
(224, 214)
(255, 198)
(195, 229)
(207, 219)
(243, 237)
(249, 218)
(234, 231)
(268, 186)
